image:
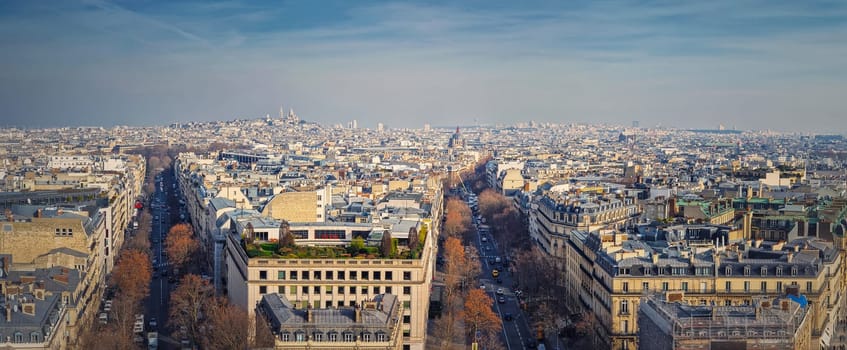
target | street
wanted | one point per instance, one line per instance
(156, 304)
(516, 332)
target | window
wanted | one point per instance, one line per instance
(286, 336)
(353, 275)
(280, 275)
(746, 286)
(263, 275)
(340, 275)
(328, 289)
(299, 336)
(380, 336)
(727, 302)
(684, 286)
(764, 270)
(340, 289)
(353, 290)
(764, 286)
(407, 290)
(329, 275)
(779, 287)
(305, 290)
(316, 289)
(340, 303)
(292, 290)
(364, 290)
(645, 285)
(665, 286)
(794, 271)
(625, 326)
(407, 319)
(304, 275)
(366, 336)
(376, 290)
(625, 307)
(625, 287)
(281, 289)
(328, 304)
(407, 304)
(728, 286)
(809, 287)
(747, 270)
(365, 275)
(388, 290)
(333, 336)
(300, 234)
(779, 270)
(317, 275)
(263, 289)
(377, 275)
(728, 271)
(407, 275)
(293, 274)
(352, 303)
(348, 337)
(318, 336)
(329, 234)
(389, 276)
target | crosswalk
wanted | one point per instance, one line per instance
(162, 264)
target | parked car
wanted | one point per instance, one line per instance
(507, 316)
(501, 300)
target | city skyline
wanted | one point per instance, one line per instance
(745, 65)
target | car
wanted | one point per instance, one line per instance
(499, 280)
(171, 279)
(482, 287)
(153, 323)
(531, 344)
(507, 316)
(499, 291)
(501, 300)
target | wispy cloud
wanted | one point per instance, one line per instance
(681, 63)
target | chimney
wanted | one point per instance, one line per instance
(655, 258)
(9, 215)
(358, 316)
(60, 211)
(789, 257)
(8, 313)
(38, 212)
(309, 317)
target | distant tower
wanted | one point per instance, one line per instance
(427, 127)
(380, 127)
(354, 124)
(281, 112)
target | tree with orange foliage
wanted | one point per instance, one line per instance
(189, 303)
(460, 265)
(491, 203)
(132, 274)
(478, 315)
(180, 244)
(458, 219)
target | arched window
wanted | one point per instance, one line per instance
(764, 271)
(299, 336)
(728, 271)
(747, 270)
(318, 336)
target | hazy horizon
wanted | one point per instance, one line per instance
(742, 64)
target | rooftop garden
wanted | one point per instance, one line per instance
(287, 248)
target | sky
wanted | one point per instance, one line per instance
(776, 65)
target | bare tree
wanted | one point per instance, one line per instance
(189, 304)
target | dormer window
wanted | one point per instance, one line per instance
(764, 271)
(728, 271)
(747, 270)
(794, 271)
(779, 270)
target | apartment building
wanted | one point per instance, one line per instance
(667, 323)
(608, 275)
(333, 282)
(373, 324)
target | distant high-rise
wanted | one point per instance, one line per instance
(427, 127)
(380, 127)
(354, 124)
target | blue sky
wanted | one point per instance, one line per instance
(744, 64)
